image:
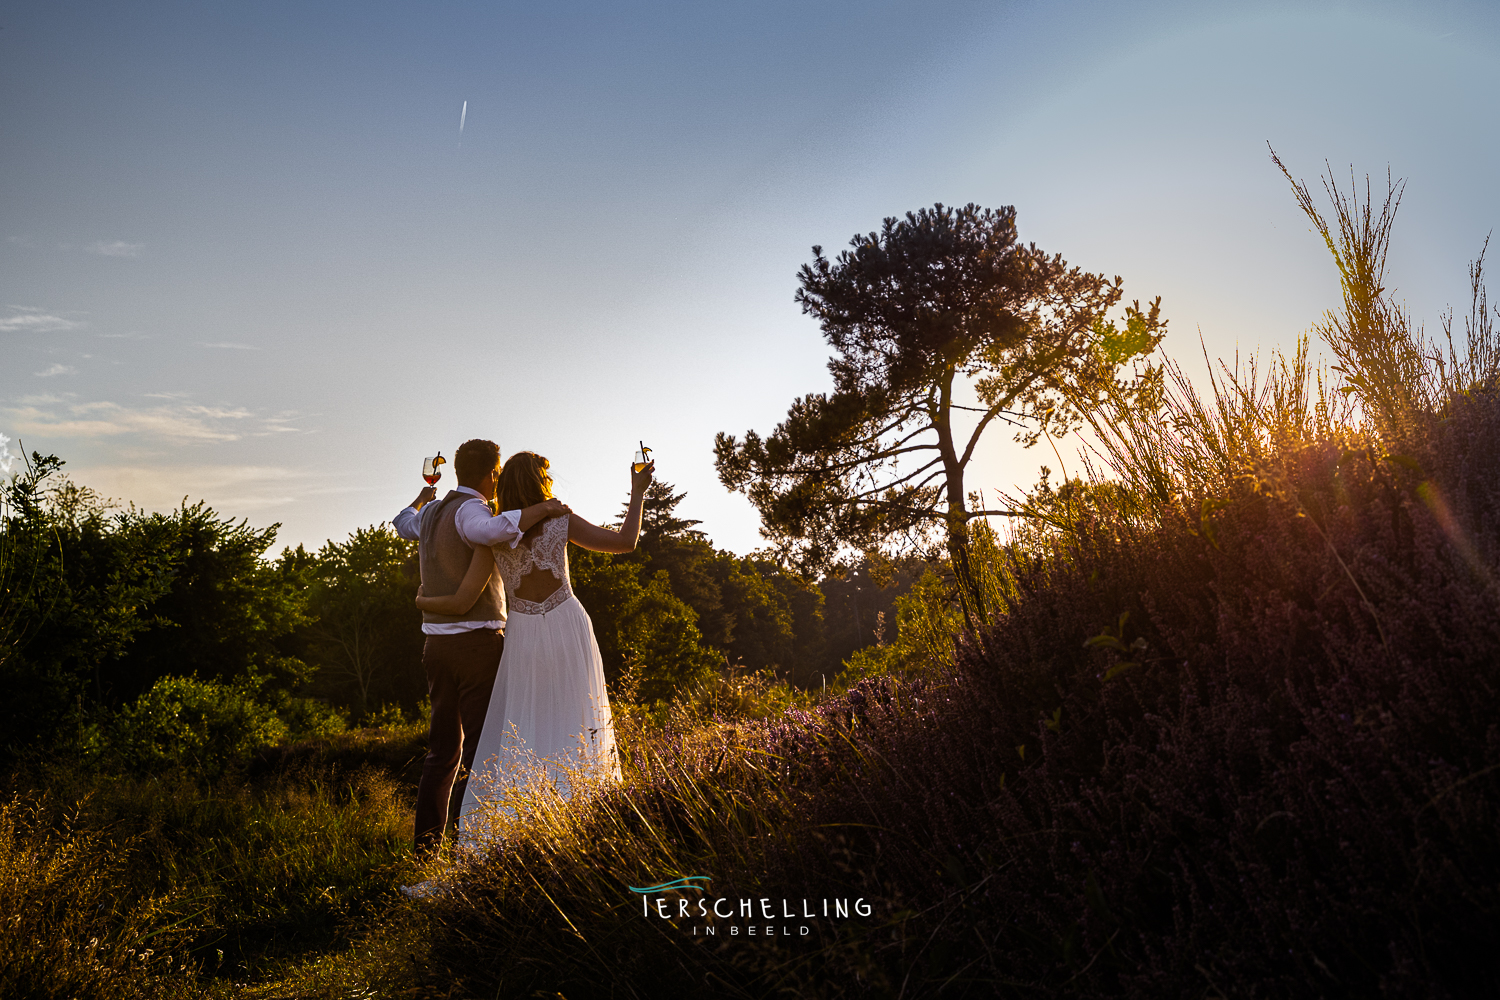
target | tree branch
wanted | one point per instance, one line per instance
(897, 482)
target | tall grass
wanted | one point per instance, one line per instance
(545, 904)
(1168, 449)
(66, 930)
(285, 856)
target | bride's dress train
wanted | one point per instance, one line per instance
(549, 719)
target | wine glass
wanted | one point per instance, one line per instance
(642, 458)
(431, 470)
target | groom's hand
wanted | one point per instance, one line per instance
(539, 512)
(428, 494)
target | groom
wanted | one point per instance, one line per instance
(462, 652)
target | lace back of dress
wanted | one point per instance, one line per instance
(547, 552)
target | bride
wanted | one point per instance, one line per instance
(549, 713)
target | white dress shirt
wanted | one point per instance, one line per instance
(476, 526)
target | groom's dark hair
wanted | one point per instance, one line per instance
(473, 460)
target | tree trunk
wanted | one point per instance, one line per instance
(969, 596)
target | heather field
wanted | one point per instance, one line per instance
(1227, 725)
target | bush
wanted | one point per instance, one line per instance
(662, 646)
(76, 584)
(1275, 764)
(648, 637)
(201, 727)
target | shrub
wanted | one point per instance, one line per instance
(201, 727)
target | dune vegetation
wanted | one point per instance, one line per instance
(1228, 728)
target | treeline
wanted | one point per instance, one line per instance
(154, 636)
(679, 610)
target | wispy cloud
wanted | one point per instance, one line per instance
(56, 369)
(229, 346)
(219, 412)
(172, 424)
(115, 248)
(278, 423)
(27, 320)
(241, 489)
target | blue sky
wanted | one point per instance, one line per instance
(246, 255)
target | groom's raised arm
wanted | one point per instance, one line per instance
(406, 523)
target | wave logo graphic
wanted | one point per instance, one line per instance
(686, 882)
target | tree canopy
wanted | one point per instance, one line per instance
(933, 306)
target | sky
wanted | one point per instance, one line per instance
(248, 257)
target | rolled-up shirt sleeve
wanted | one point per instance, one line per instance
(476, 526)
(405, 524)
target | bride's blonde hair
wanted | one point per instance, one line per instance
(524, 481)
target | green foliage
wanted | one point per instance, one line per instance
(364, 635)
(307, 718)
(200, 727)
(675, 610)
(751, 617)
(104, 608)
(661, 643)
(860, 612)
(672, 543)
(228, 613)
(644, 631)
(762, 636)
(30, 570)
(927, 620)
(729, 696)
(81, 581)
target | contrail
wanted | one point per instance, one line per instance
(461, 116)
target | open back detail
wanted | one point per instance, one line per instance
(527, 568)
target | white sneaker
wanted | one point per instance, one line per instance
(423, 890)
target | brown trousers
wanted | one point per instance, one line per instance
(460, 675)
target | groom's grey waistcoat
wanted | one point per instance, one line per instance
(444, 559)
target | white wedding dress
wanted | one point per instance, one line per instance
(549, 720)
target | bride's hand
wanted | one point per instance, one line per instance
(640, 480)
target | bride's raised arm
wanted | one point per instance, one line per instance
(591, 536)
(480, 568)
